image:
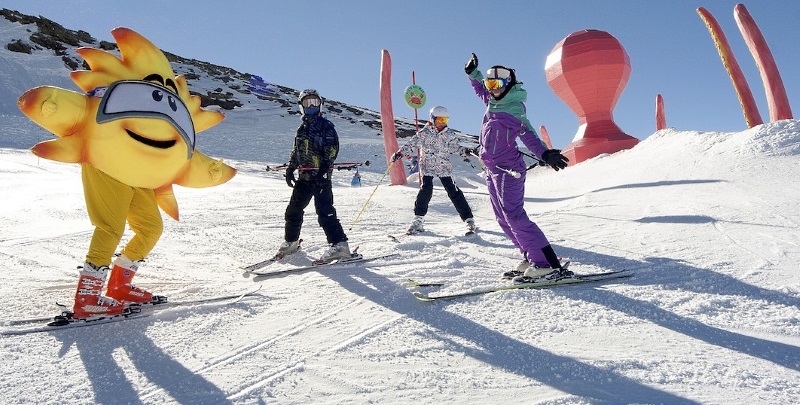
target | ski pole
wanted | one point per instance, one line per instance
(364, 207)
(539, 162)
(337, 166)
(513, 173)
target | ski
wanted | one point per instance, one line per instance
(264, 263)
(355, 258)
(260, 265)
(578, 279)
(65, 320)
(414, 283)
(399, 236)
(583, 277)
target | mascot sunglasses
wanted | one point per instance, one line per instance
(141, 99)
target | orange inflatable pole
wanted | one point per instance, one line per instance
(397, 173)
(777, 100)
(661, 119)
(545, 137)
(746, 100)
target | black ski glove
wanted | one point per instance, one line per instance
(555, 159)
(322, 171)
(290, 180)
(471, 65)
(396, 156)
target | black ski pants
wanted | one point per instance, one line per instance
(322, 193)
(455, 194)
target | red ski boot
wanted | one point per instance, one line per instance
(119, 284)
(120, 287)
(89, 303)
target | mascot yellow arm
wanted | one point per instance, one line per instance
(61, 112)
(57, 110)
(203, 171)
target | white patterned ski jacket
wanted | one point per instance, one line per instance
(434, 149)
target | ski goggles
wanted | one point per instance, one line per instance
(311, 101)
(141, 99)
(440, 120)
(497, 78)
(495, 84)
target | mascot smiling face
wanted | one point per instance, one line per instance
(135, 122)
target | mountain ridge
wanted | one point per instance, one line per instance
(230, 89)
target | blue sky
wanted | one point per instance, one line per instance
(335, 47)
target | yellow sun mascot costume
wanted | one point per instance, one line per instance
(133, 134)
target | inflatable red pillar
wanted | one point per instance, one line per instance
(588, 70)
(777, 101)
(396, 171)
(661, 119)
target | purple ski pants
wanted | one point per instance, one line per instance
(507, 195)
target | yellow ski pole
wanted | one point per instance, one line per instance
(364, 207)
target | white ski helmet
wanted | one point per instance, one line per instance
(307, 92)
(311, 106)
(439, 111)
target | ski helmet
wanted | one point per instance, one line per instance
(313, 101)
(439, 111)
(439, 117)
(502, 73)
(500, 78)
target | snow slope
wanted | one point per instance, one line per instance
(708, 221)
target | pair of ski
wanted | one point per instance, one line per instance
(135, 311)
(574, 280)
(262, 268)
(397, 237)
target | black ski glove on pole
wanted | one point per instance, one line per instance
(555, 159)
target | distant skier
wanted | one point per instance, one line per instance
(316, 146)
(503, 122)
(436, 142)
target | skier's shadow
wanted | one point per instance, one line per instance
(678, 275)
(501, 351)
(586, 380)
(97, 348)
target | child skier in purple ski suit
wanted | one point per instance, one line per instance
(503, 122)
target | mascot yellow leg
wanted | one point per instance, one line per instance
(110, 204)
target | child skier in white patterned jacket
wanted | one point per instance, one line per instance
(436, 142)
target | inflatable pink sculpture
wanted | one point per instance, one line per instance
(588, 70)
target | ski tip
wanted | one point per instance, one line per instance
(422, 297)
(414, 283)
